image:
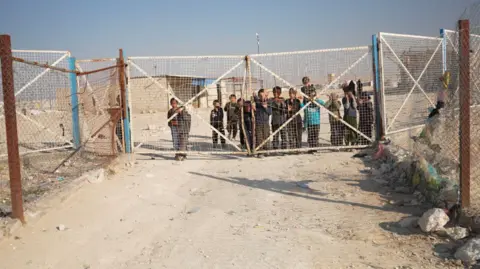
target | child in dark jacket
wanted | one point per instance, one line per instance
(216, 120)
(279, 117)
(295, 126)
(365, 109)
(232, 117)
(247, 119)
(262, 118)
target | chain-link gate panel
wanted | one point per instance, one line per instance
(410, 70)
(314, 114)
(186, 104)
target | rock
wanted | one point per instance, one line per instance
(151, 127)
(96, 176)
(469, 252)
(456, 233)
(433, 220)
(381, 181)
(402, 189)
(409, 222)
(411, 202)
(61, 227)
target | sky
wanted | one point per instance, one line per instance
(97, 29)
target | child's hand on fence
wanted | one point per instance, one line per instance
(289, 107)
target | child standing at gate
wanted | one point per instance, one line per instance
(232, 117)
(336, 126)
(247, 119)
(312, 119)
(365, 126)
(179, 127)
(262, 119)
(216, 120)
(350, 115)
(279, 117)
(295, 125)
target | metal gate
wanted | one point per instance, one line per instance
(327, 71)
(410, 67)
(196, 82)
(193, 83)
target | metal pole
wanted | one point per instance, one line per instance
(74, 102)
(258, 52)
(252, 102)
(444, 49)
(380, 132)
(11, 127)
(464, 41)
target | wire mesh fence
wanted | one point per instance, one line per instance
(465, 47)
(44, 83)
(410, 70)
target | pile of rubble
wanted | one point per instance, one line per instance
(431, 172)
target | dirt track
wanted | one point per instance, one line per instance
(299, 211)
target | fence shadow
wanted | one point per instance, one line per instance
(300, 189)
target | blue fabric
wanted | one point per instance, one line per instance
(312, 113)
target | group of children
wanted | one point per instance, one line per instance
(271, 113)
(268, 115)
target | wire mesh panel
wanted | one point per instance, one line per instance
(181, 104)
(411, 67)
(455, 44)
(43, 109)
(307, 98)
(99, 99)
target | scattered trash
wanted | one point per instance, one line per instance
(61, 227)
(193, 210)
(60, 178)
(96, 176)
(360, 155)
(303, 185)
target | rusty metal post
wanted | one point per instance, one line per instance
(11, 127)
(464, 53)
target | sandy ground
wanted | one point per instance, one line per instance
(298, 211)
